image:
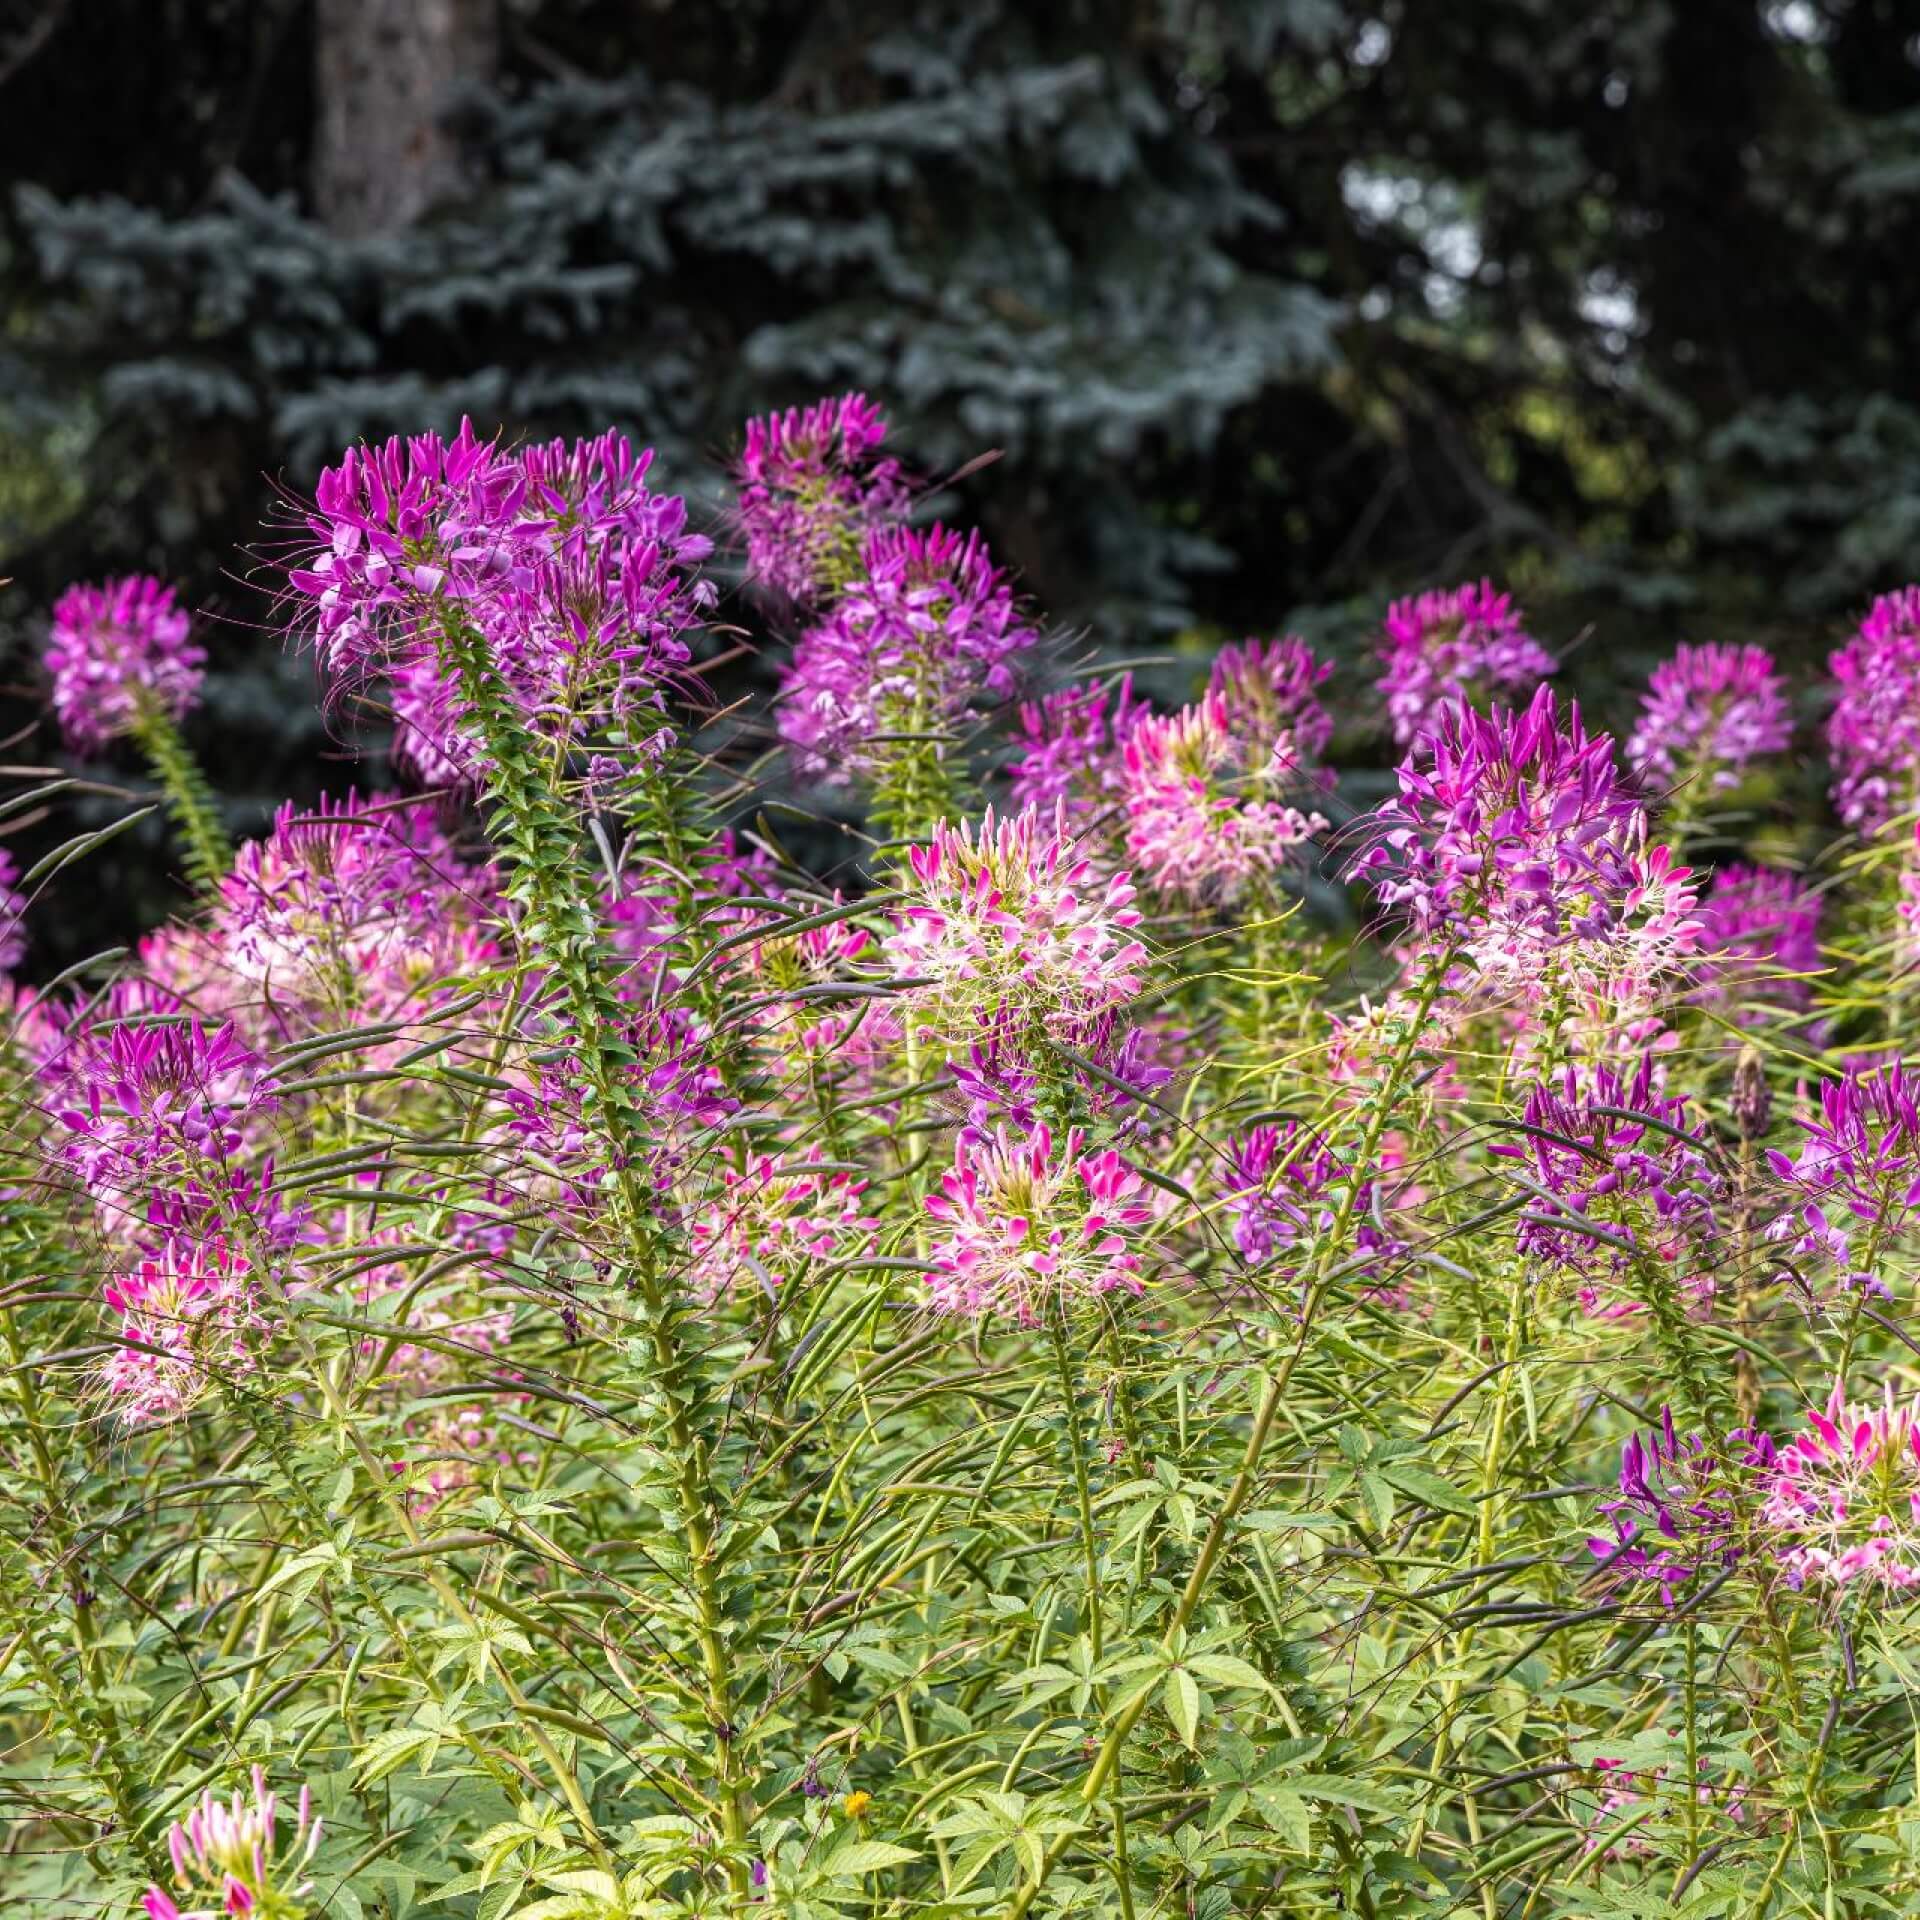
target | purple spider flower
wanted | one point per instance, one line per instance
(1621, 1179)
(1451, 647)
(1005, 1078)
(1758, 925)
(229, 1852)
(927, 627)
(1678, 1509)
(1873, 732)
(1270, 688)
(13, 915)
(116, 650)
(1859, 1168)
(1710, 711)
(1513, 839)
(812, 489)
(1070, 746)
(1286, 1183)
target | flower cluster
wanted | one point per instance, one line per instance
(1453, 647)
(1201, 819)
(774, 1223)
(1012, 917)
(185, 1314)
(1854, 1184)
(118, 650)
(1873, 732)
(1070, 745)
(1513, 841)
(1841, 1499)
(229, 1853)
(1269, 690)
(811, 490)
(1708, 714)
(928, 626)
(571, 573)
(1680, 1505)
(1026, 1230)
(1760, 939)
(1285, 1184)
(1620, 1180)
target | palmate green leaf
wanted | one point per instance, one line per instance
(1185, 1703)
(1426, 1486)
(866, 1856)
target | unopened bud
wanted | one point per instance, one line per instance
(1752, 1097)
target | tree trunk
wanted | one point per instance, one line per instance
(387, 71)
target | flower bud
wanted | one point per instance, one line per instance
(1752, 1097)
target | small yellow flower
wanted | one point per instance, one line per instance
(854, 1806)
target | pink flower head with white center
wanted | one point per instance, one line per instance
(1708, 714)
(1270, 689)
(1070, 742)
(1859, 1168)
(1451, 647)
(115, 650)
(812, 488)
(352, 906)
(184, 1315)
(776, 1222)
(1201, 817)
(1015, 916)
(1759, 929)
(1873, 732)
(1513, 840)
(229, 1854)
(927, 627)
(1026, 1230)
(1842, 1498)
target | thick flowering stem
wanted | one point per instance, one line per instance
(1273, 1394)
(196, 814)
(536, 831)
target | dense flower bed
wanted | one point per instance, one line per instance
(561, 1364)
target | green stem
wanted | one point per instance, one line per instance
(196, 813)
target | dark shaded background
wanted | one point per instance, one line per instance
(1275, 308)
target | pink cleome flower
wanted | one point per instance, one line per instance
(772, 1222)
(812, 487)
(115, 649)
(185, 1314)
(1270, 688)
(1842, 1499)
(1709, 713)
(1202, 817)
(1028, 1231)
(229, 1852)
(1012, 916)
(1451, 647)
(1070, 746)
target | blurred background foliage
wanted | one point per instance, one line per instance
(1274, 308)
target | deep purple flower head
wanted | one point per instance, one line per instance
(1286, 1183)
(1758, 924)
(1070, 745)
(1679, 1507)
(1270, 688)
(574, 573)
(1858, 1169)
(115, 649)
(1514, 838)
(927, 627)
(1451, 647)
(812, 489)
(1613, 1154)
(1709, 712)
(1873, 732)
